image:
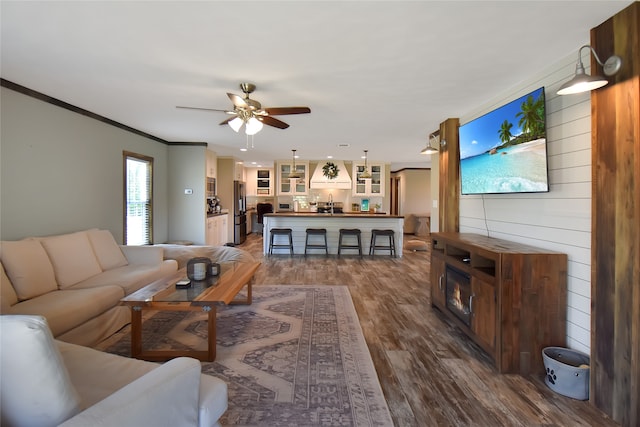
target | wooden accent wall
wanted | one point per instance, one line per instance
(615, 242)
(449, 197)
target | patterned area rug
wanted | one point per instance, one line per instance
(295, 357)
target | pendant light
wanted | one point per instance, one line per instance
(294, 173)
(365, 173)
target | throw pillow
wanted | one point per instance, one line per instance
(72, 258)
(106, 249)
(28, 267)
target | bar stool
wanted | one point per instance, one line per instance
(280, 232)
(355, 232)
(391, 246)
(316, 232)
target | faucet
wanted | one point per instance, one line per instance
(331, 202)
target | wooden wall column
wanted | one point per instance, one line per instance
(615, 238)
(449, 165)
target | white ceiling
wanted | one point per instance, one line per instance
(377, 75)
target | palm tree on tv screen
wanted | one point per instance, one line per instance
(505, 132)
(531, 117)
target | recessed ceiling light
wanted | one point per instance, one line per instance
(344, 145)
(243, 149)
(329, 157)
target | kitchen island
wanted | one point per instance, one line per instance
(298, 222)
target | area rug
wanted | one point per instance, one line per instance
(295, 357)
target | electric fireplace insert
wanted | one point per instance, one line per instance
(459, 294)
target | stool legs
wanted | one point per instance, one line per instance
(391, 247)
(316, 232)
(280, 232)
(349, 232)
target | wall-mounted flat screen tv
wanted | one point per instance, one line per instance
(505, 151)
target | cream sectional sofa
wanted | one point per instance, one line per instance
(46, 383)
(76, 281)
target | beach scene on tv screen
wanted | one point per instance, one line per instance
(505, 150)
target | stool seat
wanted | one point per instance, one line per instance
(316, 232)
(354, 232)
(390, 246)
(280, 232)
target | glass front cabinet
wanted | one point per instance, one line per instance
(291, 187)
(368, 187)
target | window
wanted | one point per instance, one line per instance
(138, 199)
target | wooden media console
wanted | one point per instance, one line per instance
(510, 298)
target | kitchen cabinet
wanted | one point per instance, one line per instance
(259, 181)
(517, 301)
(368, 187)
(223, 229)
(217, 233)
(212, 161)
(293, 187)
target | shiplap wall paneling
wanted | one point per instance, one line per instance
(559, 220)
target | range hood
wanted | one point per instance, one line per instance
(341, 182)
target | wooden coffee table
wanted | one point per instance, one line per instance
(162, 295)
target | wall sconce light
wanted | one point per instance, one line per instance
(582, 82)
(429, 149)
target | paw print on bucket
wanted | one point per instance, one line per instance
(551, 376)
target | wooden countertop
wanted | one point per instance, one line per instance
(328, 215)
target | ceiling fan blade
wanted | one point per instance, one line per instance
(272, 121)
(278, 111)
(226, 121)
(238, 101)
(205, 109)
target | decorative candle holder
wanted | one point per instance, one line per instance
(214, 269)
(198, 268)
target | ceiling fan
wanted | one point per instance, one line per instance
(249, 112)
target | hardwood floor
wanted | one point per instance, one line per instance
(431, 374)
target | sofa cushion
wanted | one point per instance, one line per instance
(68, 308)
(115, 372)
(72, 257)
(130, 278)
(106, 249)
(36, 389)
(8, 296)
(28, 267)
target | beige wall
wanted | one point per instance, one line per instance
(61, 171)
(414, 195)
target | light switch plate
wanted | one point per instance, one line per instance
(188, 191)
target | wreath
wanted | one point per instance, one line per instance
(330, 170)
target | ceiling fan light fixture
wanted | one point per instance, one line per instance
(253, 126)
(236, 124)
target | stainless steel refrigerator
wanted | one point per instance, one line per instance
(239, 212)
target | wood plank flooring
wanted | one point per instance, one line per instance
(431, 374)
